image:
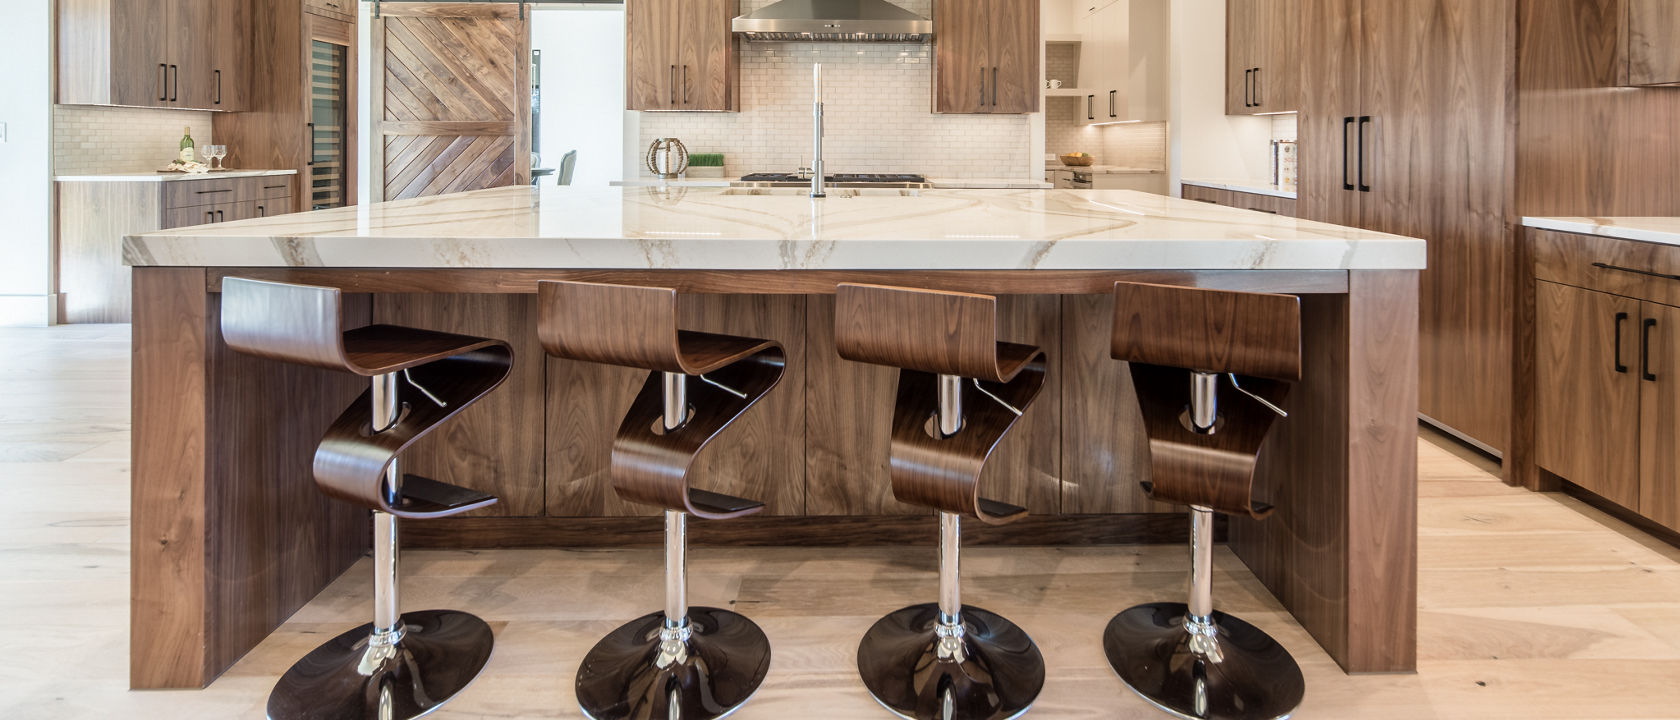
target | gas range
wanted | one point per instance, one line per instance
(837, 180)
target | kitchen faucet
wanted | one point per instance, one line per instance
(817, 189)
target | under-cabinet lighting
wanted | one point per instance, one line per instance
(1118, 122)
(1280, 112)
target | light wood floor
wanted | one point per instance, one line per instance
(1531, 606)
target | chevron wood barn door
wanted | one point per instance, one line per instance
(453, 98)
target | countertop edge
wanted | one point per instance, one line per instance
(1255, 188)
(1607, 227)
(172, 177)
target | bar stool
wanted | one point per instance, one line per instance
(400, 665)
(691, 663)
(959, 391)
(1187, 658)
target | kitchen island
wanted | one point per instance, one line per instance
(230, 536)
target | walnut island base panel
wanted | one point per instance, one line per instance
(230, 537)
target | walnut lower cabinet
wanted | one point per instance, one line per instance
(1257, 202)
(95, 214)
(1607, 374)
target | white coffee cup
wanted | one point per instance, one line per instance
(1052, 84)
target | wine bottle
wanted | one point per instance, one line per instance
(187, 145)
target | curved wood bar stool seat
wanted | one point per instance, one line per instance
(683, 662)
(960, 390)
(1183, 344)
(400, 665)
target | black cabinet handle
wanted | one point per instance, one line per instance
(163, 82)
(221, 216)
(213, 192)
(1363, 121)
(673, 84)
(1620, 319)
(311, 127)
(1111, 112)
(218, 87)
(174, 83)
(685, 84)
(1257, 101)
(1090, 107)
(994, 85)
(209, 216)
(1635, 271)
(1248, 87)
(982, 86)
(1347, 124)
(1645, 350)
(261, 212)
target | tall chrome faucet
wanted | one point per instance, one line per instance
(817, 189)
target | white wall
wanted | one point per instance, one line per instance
(1207, 143)
(582, 89)
(26, 162)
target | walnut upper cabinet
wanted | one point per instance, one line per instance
(1262, 66)
(681, 55)
(1651, 39)
(152, 53)
(986, 56)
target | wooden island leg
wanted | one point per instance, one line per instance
(229, 536)
(1340, 552)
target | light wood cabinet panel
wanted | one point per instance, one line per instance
(140, 55)
(150, 53)
(1659, 414)
(986, 56)
(1240, 18)
(1586, 396)
(1652, 32)
(1262, 56)
(681, 55)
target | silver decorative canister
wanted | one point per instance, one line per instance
(667, 158)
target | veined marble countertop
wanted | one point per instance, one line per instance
(753, 229)
(172, 177)
(1258, 187)
(1665, 230)
(1103, 169)
(937, 183)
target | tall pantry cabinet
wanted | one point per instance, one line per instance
(1406, 116)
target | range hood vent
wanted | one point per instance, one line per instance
(834, 21)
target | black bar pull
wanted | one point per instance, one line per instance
(1248, 87)
(163, 82)
(209, 216)
(218, 87)
(1347, 124)
(221, 216)
(1257, 100)
(261, 212)
(1645, 350)
(174, 83)
(994, 85)
(213, 192)
(982, 86)
(673, 84)
(1111, 98)
(311, 144)
(1620, 319)
(1090, 107)
(1636, 271)
(684, 78)
(1363, 121)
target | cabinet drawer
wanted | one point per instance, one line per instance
(273, 188)
(200, 215)
(194, 193)
(1620, 267)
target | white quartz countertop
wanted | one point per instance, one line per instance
(745, 229)
(172, 177)
(937, 183)
(1258, 187)
(1665, 230)
(1104, 169)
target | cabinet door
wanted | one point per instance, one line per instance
(1330, 104)
(1587, 390)
(228, 26)
(962, 57)
(190, 216)
(1653, 42)
(1015, 70)
(705, 56)
(1659, 414)
(1276, 47)
(191, 42)
(651, 32)
(1437, 165)
(140, 52)
(1241, 17)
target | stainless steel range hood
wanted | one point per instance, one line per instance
(834, 21)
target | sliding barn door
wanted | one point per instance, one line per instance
(453, 98)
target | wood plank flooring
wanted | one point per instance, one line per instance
(1530, 605)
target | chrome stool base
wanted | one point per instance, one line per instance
(1253, 677)
(721, 665)
(997, 674)
(440, 653)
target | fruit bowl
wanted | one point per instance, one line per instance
(1079, 160)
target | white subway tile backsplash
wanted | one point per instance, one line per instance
(878, 115)
(90, 140)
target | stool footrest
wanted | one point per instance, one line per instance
(426, 496)
(720, 504)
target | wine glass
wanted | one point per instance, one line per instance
(215, 153)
